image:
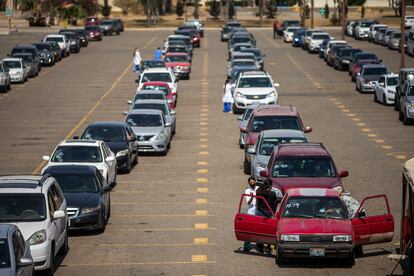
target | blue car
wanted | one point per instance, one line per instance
(297, 41)
(323, 47)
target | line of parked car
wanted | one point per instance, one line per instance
(26, 61)
(74, 190)
(365, 68)
(305, 212)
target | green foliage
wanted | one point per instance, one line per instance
(27, 5)
(126, 5)
(231, 10)
(214, 9)
(179, 9)
(106, 9)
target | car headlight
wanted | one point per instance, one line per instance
(391, 91)
(122, 153)
(289, 238)
(184, 67)
(261, 166)
(250, 147)
(271, 94)
(90, 209)
(342, 238)
(18, 73)
(101, 171)
(159, 137)
(38, 237)
(238, 94)
(411, 105)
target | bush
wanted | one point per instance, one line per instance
(106, 9)
(326, 11)
(179, 9)
(334, 19)
(215, 9)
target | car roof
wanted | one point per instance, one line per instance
(283, 133)
(146, 111)
(157, 70)
(24, 46)
(178, 36)
(80, 142)
(150, 91)
(107, 123)
(253, 74)
(302, 149)
(150, 101)
(282, 110)
(407, 69)
(73, 169)
(312, 192)
(22, 183)
(54, 35)
(159, 83)
(242, 59)
(379, 65)
(11, 59)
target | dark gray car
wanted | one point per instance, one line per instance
(369, 74)
(406, 101)
(29, 49)
(32, 69)
(15, 257)
(46, 54)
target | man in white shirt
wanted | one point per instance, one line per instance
(251, 202)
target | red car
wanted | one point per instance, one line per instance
(93, 32)
(269, 117)
(179, 63)
(314, 223)
(92, 21)
(356, 68)
(163, 86)
(307, 165)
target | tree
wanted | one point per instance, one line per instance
(326, 11)
(106, 9)
(396, 5)
(179, 9)
(232, 12)
(168, 6)
(214, 9)
(196, 8)
(271, 10)
(125, 5)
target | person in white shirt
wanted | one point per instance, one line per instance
(137, 60)
(251, 202)
(227, 96)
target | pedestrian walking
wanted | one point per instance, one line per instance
(251, 202)
(227, 96)
(158, 54)
(275, 28)
(137, 61)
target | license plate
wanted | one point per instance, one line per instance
(317, 252)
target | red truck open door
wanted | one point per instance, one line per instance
(253, 227)
(373, 226)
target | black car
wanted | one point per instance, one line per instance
(73, 38)
(28, 49)
(257, 53)
(55, 50)
(343, 57)
(87, 195)
(152, 63)
(120, 139)
(84, 40)
(46, 53)
(121, 24)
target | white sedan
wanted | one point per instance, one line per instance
(385, 88)
(85, 152)
(289, 33)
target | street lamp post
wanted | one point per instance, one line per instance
(402, 40)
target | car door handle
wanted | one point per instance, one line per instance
(388, 219)
(239, 218)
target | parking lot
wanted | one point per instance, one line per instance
(173, 215)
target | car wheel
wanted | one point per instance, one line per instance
(406, 120)
(375, 97)
(129, 166)
(357, 87)
(396, 104)
(109, 210)
(65, 247)
(384, 99)
(279, 259)
(136, 158)
(51, 270)
(246, 167)
(359, 252)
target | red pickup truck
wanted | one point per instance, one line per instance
(315, 223)
(179, 63)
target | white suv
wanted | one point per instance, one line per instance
(37, 206)
(85, 152)
(253, 88)
(159, 74)
(62, 41)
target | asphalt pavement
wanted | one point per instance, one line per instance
(173, 215)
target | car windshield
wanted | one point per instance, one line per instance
(165, 77)
(154, 64)
(12, 64)
(366, 24)
(240, 40)
(256, 52)
(4, 254)
(366, 56)
(274, 122)
(291, 29)
(396, 35)
(304, 166)
(391, 81)
(243, 62)
(149, 96)
(105, 133)
(43, 47)
(23, 50)
(255, 82)
(155, 106)
(26, 58)
(22, 207)
(156, 87)
(320, 36)
(76, 183)
(374, 71)
(345, 53)
(77, 154)
(92, 28)
(56, 39)
(267, 144)
(314, 207)
(177, 50)
(176, 59)
(179, 40)
(144, 120)
(247, 113)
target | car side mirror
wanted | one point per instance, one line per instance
(75, 137)
(46, 157)
(129, 102)
(361, 214)
(173, 112)
(59, 214)
(167, 124)
(177, 79)
(106, 189)
(23, 262)
(276, 84)
(343, 173)
(125, 113)
(240, 118)
(264, 174)
(110, 159)
(380, 60)
(251, 150)
(307, 129)
(243, 129)
(263, 55)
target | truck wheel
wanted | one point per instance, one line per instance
(279, 260)
(395, 104)
(359, 252)
(246, 167)
(350, 260)
(406, 120)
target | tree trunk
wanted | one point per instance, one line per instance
(196, 8)
(52, 13)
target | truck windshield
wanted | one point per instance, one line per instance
(315, 207)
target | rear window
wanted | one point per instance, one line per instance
(155, 106)
(375, 71)
(274, 122)
(55, 39)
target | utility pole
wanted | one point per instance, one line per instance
(185, 10)
(311, 15)
(261, 12)
(148, 12)
(343, 18)
(196, 8)
(402, 40)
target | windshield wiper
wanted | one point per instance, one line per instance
(298, 216)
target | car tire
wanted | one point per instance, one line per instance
(129, 166)
(400, 115)
(357, 87)
(359, 252)
(136, 158)
(406, 120)
(65, 247)
(384, 99)
(246, 167)
(279, 259)
(375, 97)
(102, 222)
(51, 270)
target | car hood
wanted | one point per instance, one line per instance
(173, 64)
(316, 226)
(252, 138)
(13, 71)
(117, 146)
(284, 184)
(256, 90)
(29, 228)
(371, 77)
(146, 130)
(82, 200)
